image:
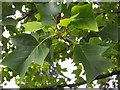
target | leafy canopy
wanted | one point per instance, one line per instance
(89, 37)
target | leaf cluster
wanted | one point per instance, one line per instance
(88, 36)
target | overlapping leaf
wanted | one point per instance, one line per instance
(32, 26)
(65, 22)
(47, 12)
(86, 19)
(27, 51)
(91, 58)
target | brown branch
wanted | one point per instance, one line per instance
(84, 82)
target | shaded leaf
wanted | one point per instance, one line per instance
(66, 9)
(111, 32)
(9, 21)
(95, 40)
(79, 79)
(47, 12)
(27, 51)
(100, 21)
(91, 58)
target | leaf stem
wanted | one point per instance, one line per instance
(48, 38)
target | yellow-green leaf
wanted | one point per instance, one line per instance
(65, 22)
(32, 26)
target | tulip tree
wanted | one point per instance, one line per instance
(49, 32)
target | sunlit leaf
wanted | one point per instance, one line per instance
(85, 20)
(86, 23)
(65, 22)
(32, 26)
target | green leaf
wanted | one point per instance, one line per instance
(100, 21)
(32, 26)
(37, 16)
(66, 9)
(86, 23)
(11, 28)
(9, 21)
(79, 79)
(47, 12)
(84, 10)
(110, 32)
(65, 22)
(85, 20)
(27, 51)
(91, 58)
(95, 40)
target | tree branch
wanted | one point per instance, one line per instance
(54, 69)
(84, 82)
(27, 15)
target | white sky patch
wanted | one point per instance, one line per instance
(18, 14)
(13, 6)
(70, 67)
(23, 8)
(74, 0)
(18, 25)
(6, 34)
(10, 84)
(95, 6)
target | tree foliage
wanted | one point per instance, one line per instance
(51, 32)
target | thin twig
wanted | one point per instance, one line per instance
(60, 73)
(27, 15)
(84, 82)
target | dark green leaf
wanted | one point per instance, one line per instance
(91, 58)
(47, 12)
(27, 51)
(9, 21)
(66, 10)
(11, 28)
(111, 32)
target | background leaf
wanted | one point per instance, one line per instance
(100, 20)
(110, 32)
(47, 12)
(9, 21)
(91, 58)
